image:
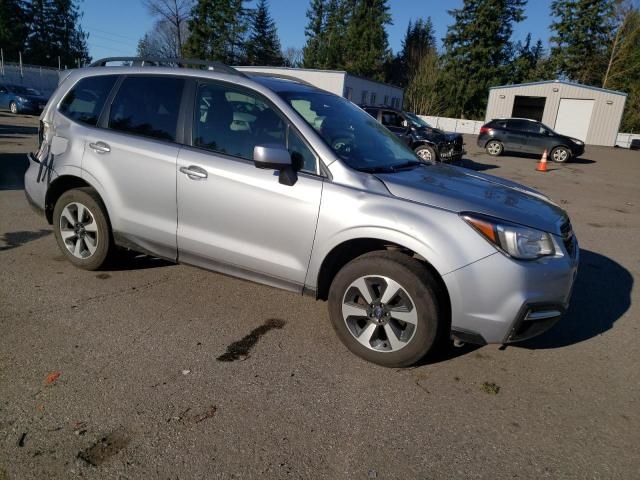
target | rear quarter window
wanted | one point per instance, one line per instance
(84, 102)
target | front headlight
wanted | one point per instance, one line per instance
(519, 242)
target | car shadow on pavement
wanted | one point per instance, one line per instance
(12, 168)
(17, 239)
(601, 295)
(579, 160)
(477, 166)
(130, 260)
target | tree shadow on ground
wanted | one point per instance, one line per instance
(12, 168)
(601, 295)
(17, 239)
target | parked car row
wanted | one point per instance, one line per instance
(306, 192)
(19, 99)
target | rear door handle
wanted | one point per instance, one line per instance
(100, 147)
(194, 172)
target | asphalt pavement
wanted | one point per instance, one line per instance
(154, 370)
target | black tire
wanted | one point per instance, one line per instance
(427, 154)
(13, 107)
(423, 290)
(494, 148)
(104, 248)
(560, 154)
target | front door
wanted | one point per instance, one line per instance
(397, 124)
(516, 135)
(232, 216)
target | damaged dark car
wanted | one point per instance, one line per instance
(430, 144)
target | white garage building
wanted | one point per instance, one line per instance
(359, 90)
(591, 114)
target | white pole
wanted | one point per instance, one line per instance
(2, 62)
(20, 56)
(59, 63)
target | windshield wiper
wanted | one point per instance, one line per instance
(391, 168)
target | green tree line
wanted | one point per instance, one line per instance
(45, 32)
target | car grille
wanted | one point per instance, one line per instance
(568, 238)
(450, 149)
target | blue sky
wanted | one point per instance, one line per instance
(115, 26)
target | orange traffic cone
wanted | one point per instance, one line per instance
(542, 164)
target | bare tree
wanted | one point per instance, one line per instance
(173, 19)
(422, 95)
(623, 50)
(293, 57)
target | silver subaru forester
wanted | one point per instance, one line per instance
(273, 180)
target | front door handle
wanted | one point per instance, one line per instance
(100, 147)
(194, 172)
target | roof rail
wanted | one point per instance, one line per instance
(175, 62)
(278, 75)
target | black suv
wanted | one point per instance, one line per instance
(430, 144)
(527, 136)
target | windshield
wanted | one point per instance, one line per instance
(355, 136)
(416, 120)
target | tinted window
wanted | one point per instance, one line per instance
(521, 125)
(233, 122)
(147, 106)
(85, 100)
(497, 124)
(391, 119)
(372, 111)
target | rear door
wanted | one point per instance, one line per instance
(234, 217)
(516, 134)
(134, 158)
(4, 97)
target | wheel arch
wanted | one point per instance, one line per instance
(63, 184)
(348, 250)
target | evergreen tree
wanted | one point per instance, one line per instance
(579, 45)
(418, 43)
(218, 30)
(367, 39)
(55, 31)
(314, 33)
(530, 63)
(14, 28)
(477, 53)
(263, 45)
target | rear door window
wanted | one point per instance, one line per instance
(85, 100)
(147, 106)
(520, 125)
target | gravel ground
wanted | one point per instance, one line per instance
(154, 370)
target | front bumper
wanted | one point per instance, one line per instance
(500, 300)
(451, 151)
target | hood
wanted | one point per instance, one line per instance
(437, 135)
(461, 190)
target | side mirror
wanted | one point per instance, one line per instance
(276, 157)
(272, 157)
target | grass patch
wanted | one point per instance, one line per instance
(490, 388)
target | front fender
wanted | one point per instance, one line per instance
(440, 236)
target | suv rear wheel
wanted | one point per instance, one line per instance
(384, 308)
(494, 148)
(81, 228)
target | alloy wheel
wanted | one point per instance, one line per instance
(379, 313)
(494, 148)
(560, 155)
(425, 154)
(79, 230)
(13, 107)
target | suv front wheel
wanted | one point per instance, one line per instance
(426, 153)
(81, 228)
(384, 308)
